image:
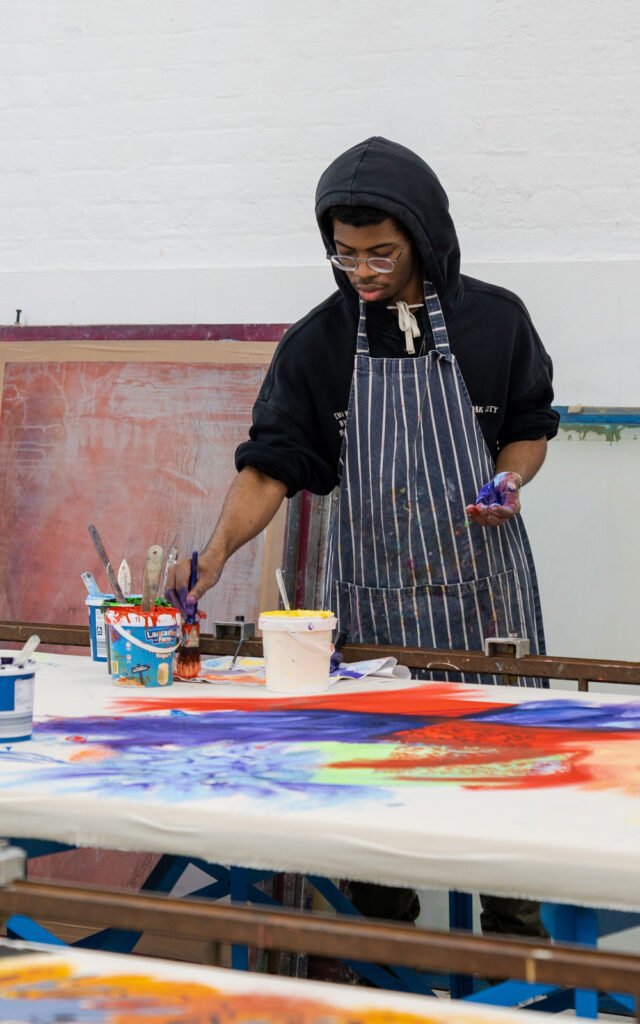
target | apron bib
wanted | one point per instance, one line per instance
(403, 566)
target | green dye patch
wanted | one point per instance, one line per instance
(391, 764)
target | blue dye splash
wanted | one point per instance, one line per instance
(209, 755)
(566, 714)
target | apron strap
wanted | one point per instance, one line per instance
(436, 319)
(362, 342)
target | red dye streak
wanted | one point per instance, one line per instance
(437, 699)
(122, 613)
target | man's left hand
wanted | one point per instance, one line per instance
(497, 501)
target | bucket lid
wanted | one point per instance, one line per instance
(8, 669)
(297, 621)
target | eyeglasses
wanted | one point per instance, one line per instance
(380, 264)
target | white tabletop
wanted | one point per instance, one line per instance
(497, 789)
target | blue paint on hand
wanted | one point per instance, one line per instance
(489, 495)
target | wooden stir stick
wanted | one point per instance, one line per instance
(152, 570)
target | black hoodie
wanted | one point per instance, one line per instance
(300, 413)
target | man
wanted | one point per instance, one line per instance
(426, 396)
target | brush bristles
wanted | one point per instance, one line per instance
(188, 655)
(188, 662)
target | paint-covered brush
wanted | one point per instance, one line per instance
(188, 656)
(91, 585)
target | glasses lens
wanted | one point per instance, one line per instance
(380, 264)
(344, 262)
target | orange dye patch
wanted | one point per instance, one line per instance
(121, 998)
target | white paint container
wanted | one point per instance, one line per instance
(16, 698)
(297, 650)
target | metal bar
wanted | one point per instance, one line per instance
(460, 918)
(238, 890)
(585, 669)
(377, 942)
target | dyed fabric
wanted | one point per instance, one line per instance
(529, 793)
(93, 988)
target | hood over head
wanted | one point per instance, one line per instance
(392, 178)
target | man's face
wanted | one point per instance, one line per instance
(376, 240)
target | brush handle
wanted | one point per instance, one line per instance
(113, 582)
(152, 570)
(90, 584)
(193, 579)
(23, 655)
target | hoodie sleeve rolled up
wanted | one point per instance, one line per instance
(294, 436)
(283, 449)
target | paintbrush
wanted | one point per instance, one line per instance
(240, 619)
(188, 656)
(152, 569)
(113, 581)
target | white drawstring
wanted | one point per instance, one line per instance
(408, 323)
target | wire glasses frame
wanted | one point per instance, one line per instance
(379, 264)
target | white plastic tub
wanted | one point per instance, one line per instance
(297, 650)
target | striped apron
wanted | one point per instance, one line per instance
(403, 564)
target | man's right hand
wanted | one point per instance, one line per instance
(209, 572)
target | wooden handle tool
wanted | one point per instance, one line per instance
(152, 570)
(23, 655)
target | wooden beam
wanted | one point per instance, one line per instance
(584, 669)
(325, 935)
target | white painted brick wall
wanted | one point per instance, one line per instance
(191, 133)
(160, 157)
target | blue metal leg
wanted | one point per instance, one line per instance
(19, 927)
(575, 924)
(586, 1001)
(460, 919)
(238, 886)
(399, 979)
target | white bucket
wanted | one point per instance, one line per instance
(297, 650)
(16, 698)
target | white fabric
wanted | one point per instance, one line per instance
(82, 985)
(288, 790)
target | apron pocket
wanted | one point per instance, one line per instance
(455, 615)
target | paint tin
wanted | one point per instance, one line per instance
(16, 698)
(96, 604)
(297, 650)
(141, 645)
